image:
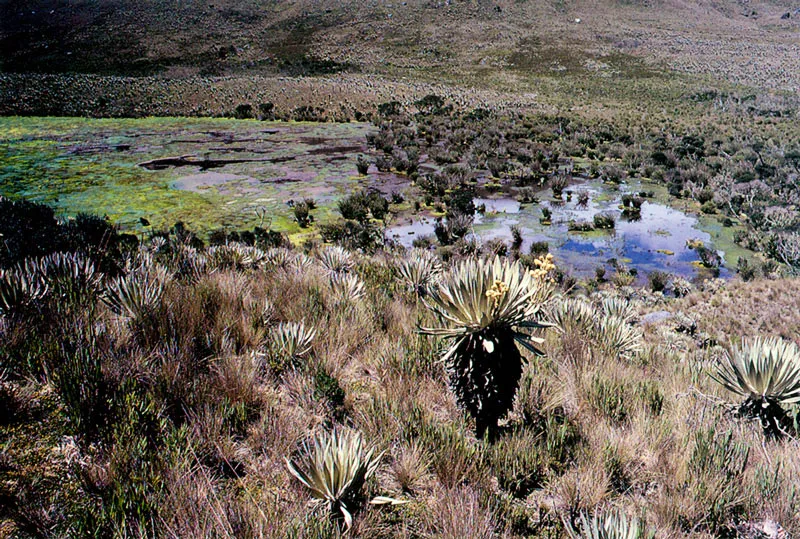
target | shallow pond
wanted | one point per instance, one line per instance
(656, 241)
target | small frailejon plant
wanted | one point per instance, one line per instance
(293, 340)
(483, 306)
(610, 525)
(20, 288)
(347, 287)
(71, 277)
(235, 256)
(618, 307)
(766, 372)
(419, 271)
(573, 315)
(609, 327)
(334, 467)
(336, 260)
(136, 294)
(617, 337)
(279, 258)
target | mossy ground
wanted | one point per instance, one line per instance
(92, 165)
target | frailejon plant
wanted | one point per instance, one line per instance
(336, 260)
(611, 525)
(235, 256)
(610, 329)
(136, 294)
(766, 372)
(617, 337)
(484, 305)
(19, 288)
(279, 258)
(618, 307)
(347, 287)
(293, 340)
(71, 277)
(334, 467)
(419, 271)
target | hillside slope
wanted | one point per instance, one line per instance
(737, 41)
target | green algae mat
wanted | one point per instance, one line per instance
(208, 173)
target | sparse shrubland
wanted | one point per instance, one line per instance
(165, 395)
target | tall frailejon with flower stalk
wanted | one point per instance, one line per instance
(484, 307)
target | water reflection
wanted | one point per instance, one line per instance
(656, 241)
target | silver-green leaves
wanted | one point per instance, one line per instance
(334, 467)
(419, 271)
(137, 293)
(19, 287)
(480, 294)
(347, 287)
(762, 368)
(609, 324)
(293, 340)
(336, 260)
(611, 525)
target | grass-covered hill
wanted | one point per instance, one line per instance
(179, 50)
(317, 37)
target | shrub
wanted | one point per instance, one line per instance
(709, 258)
(745, 269)
(539, 248)
(580, 226)
(353, 235)
(709, 207)
(360, 205)
(460, 202)
(302, 214)
(558, 184)
(327, 388)
(266, 111)
(354, 208)
(604, 221)
(31, 230)
(516, 237)
(362, 165)
(28, 230)
(383, 163)
(452, 229)
(243, 112)
(658, 280)
(527, 195)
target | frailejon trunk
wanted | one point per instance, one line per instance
(484, 375)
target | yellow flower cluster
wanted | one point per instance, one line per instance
(497, 291)
(544, 265)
